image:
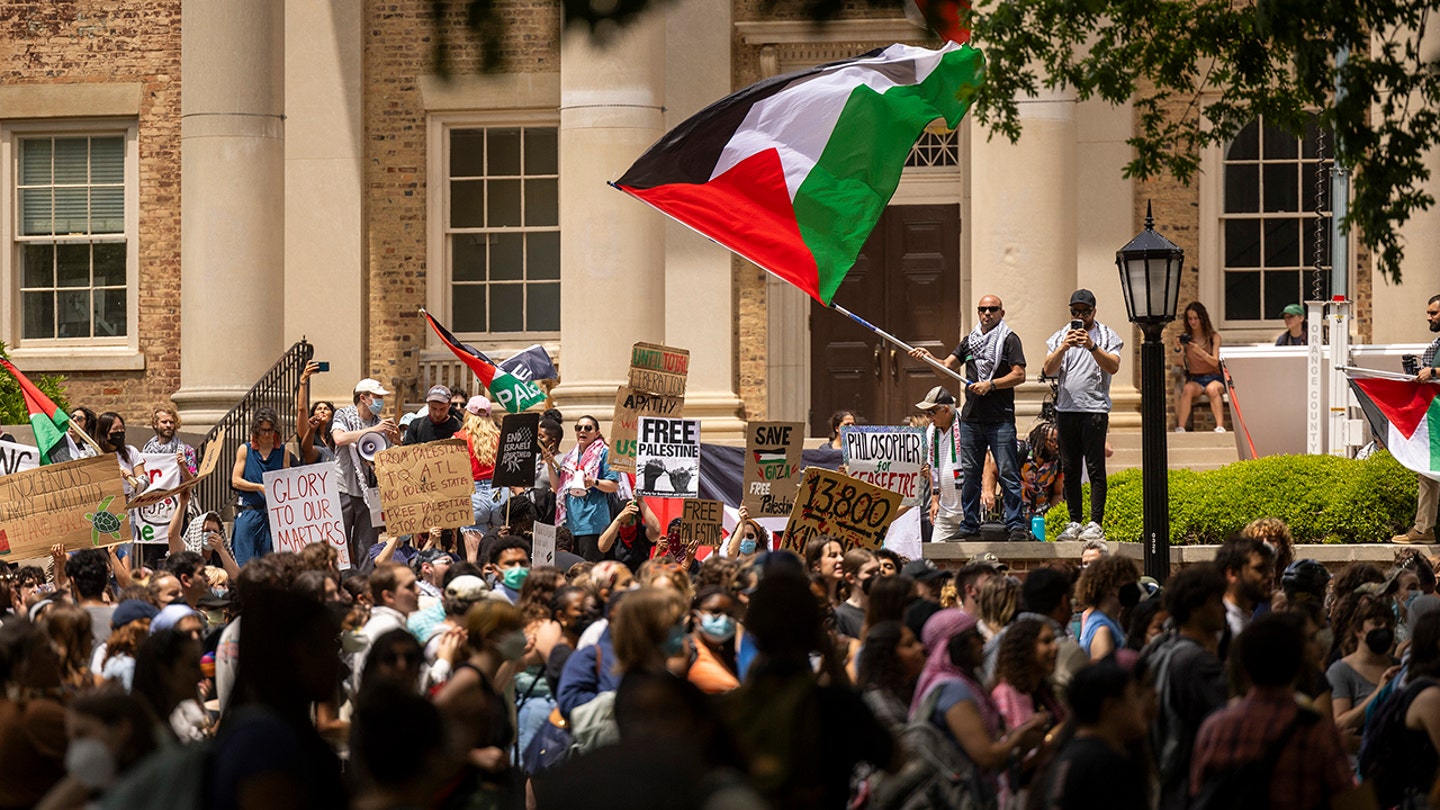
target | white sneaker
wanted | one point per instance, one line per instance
(1179, 428)
(1092, 531)
(1071, 533)
(1220, 429)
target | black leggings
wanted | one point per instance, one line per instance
(1082, 438)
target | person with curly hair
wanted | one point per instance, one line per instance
(1368, 641)
(1099, 590)
(1276, 532)
(1023, 686)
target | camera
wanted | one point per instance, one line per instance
(1410, 363)
(1077, 324)
(1185, 338)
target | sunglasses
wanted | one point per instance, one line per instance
(984, 310)
(585, 428)
(1081, 312)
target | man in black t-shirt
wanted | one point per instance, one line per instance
(1094, 769)
(440, 421)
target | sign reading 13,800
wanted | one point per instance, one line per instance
(845, 509)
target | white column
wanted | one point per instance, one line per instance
(232, 146)
(612, 248)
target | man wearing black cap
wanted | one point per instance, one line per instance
(1085, 354)
(442, 421)
(942, 442)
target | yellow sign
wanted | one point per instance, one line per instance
(845, 509)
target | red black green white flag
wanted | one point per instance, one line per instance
(513, 393)
(1404, 415)
(792, 173)
(48, 421)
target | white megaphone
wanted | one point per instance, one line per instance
(370, 444)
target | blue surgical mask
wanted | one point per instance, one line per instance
(747, 546)
(674, 642)
(377, 406)
(720, 628)
(514, 577)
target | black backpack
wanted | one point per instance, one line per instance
(1247, 785)
(1386, 749)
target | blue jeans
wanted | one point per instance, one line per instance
(252, 535)
(999, 439)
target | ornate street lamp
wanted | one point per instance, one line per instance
(1150, 278)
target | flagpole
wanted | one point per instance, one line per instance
(1356, 371)
(74, 428)
(939, 367)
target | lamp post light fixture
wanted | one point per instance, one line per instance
(1150, 278)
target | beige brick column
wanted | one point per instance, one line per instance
(232, 202)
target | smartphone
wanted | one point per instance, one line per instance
(1077, 324)
(323, 365)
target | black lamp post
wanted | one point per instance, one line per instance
(1150, 277)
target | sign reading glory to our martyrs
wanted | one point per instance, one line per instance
(659, 369)
(425, 485)
(78, 504)
(630, 405)
(304, 508)
(849, 510)
(772, 467)
(515, 456)
(667, 458)
(889, 457)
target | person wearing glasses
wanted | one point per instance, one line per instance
(1085, 355)
(263, 454)
(582, 479)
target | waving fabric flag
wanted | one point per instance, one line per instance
(793, 173)
(48, 421)
(513, 393)
(1405, 416)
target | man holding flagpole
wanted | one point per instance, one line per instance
(1427, 498)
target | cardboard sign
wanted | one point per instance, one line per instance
(15, 457)
(151, 524)
(889, 457)
(424, 485)
(79, 504)
(155, 494)
(304, 508)
(542, 543)
(657, 369)
(772, 467)
(667, 458)
(701, 524)
(630, 406)
(519, 445)
(846, 509)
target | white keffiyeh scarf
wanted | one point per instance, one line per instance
(986, 348)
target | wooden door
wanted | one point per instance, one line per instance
(906, 281)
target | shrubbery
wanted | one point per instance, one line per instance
(1325, 499)
(12, 401)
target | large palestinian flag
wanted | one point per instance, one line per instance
(513, 393)
(793, 173)
(1405, 416)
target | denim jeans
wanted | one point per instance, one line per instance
(999, 439)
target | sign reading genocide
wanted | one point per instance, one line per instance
(772, 467)
(515, 458)
(630, 405)
(701, 524)
(18, 457)
(889, 457)
(424, 485)
(667, 458)
(78, 504)
(847, 509)
(657, 369)
(304, 508)
(544, 544)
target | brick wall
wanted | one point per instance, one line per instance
(53, 42)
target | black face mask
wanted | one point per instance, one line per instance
(1379, 640)
(1129, 595)
(117, 439)
(867, 584)
(583, 622)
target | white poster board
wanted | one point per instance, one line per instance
(304, 508)
(543, 545)
(667, 458)
(151, 523)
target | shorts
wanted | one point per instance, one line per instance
(1205, 379)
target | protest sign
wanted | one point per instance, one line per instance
(847, 509)
(424, 485)
(304, 508)
(889, 457)
(667, 458)
(657, 369)
(543, 544)
(630, 406)
(515, 456)
(15, 457)
(701, 524)
(156, 494)
(78, 504)
(151, 524)
(772, 467)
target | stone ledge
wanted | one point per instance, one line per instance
(1024, 556)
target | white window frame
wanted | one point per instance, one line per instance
(438, 291)
(69, 354)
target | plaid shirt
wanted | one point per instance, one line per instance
(1311, 769)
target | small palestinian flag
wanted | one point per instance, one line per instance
(48, 421)
(1404, 415)
(766, 458)
(513, 393)
(793, 173)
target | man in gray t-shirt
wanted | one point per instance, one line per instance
(1085, 354)
(347, 426)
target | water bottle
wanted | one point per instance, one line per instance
(1037, 527)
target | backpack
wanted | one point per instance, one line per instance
(172, 778)
(1386, 748)
(936, 775)
(593, 725)
(1247, 786)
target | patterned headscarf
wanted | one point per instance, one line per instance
(938, 631)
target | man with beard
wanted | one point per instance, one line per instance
(1249, 567)
(165, 421)
(1429, 497)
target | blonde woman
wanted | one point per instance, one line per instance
(482, 439)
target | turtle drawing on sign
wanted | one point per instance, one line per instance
(102, 521)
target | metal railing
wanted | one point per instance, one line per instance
(275, 390)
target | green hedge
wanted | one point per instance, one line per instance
(12, 401)
(1325, 499)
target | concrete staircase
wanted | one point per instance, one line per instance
(1195, 451)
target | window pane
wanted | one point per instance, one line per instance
(1279, 144)
(72, 211)
(35, 161)
(506, 311)
(541, 152)
(467, 257)
(1312, 176)
(35, 211)
(1242, 189)
(504, 152)
(1246, 145)
(1282, 242)
(72, 265)
(543, 307)
(1242, 296)
(39, 261)
(1313, 228)
(1242, 243)
(107, 160)
(72, 160)
(467, 303)
(107, 210)
(543, 260)
(1282, 187)
(1310, 145)
(1281, 288)
(39, 314)
(74, 310)
(110, 313)
(506, 257)
(467, 204)
(467, 152)
(109, 264)
(504, 203)
(542, 202)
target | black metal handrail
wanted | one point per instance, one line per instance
(275, 390)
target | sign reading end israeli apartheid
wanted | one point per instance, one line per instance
(304, 508)
(425, 485)
(659, 369)
(78, 504)
(630, 405)
(845, 509)
(667, 458)
(889, 457)
(701, 524)
(515, 456)
(772, 467)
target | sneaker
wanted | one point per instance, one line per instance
(1021, 536)
(1413, 537)
(1220, 429)
(1092, 531)
(1179, 428)
(963, 536)
(1071, 533)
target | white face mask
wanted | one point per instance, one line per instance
(89, 760)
